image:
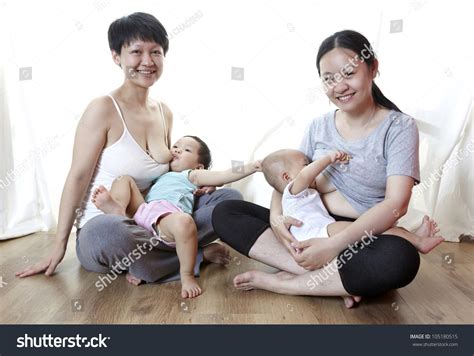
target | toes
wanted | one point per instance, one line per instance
(241, 278)
(243, 286)
(348, 302)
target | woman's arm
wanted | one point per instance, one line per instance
(374, 221)
(202, 177)
(90, 139)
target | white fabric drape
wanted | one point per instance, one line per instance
(24, 201)
(241, 75)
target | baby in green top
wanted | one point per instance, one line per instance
(166, 211)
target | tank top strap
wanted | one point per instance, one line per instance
(164, 123)
(118, 110)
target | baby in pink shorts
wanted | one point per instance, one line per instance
(166, 210)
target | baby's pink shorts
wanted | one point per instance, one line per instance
(148, 214)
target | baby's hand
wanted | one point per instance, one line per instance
(339, 156)
(257, 165)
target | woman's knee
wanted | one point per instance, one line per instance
(388, 262)
(103, 227)
(224, 212)
(239, 223)
(230, 194)
(107, 234)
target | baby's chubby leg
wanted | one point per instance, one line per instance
(180, 228)
(125, 191)
(124, 197)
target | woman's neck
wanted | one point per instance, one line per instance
(361, 118)
(133, 95)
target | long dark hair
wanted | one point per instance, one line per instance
(357, 43)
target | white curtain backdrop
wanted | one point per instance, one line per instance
(24, 200)
(240, 74)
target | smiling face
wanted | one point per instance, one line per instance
(185, 155)
(141, 62)
(348, 82)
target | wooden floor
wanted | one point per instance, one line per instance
(441, 293)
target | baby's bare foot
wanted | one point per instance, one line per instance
(216, 253)
(189, 287)
(133, 280)
(106, 203)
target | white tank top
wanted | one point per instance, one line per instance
(124, 157)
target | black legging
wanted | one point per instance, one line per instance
(388, 262)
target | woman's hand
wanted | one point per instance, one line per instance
(205, 189)
(280, 227)
(314, 253)
(48, 265)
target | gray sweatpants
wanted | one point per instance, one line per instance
(109, 242)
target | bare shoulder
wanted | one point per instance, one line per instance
(168, 113)
(99, 112)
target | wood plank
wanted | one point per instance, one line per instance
(441, 293)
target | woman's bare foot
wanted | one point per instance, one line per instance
(133, 280)
(216, 253)
(428, 227)
(106, 203)
(351, 301)
(274, 282)
(426, 239)
(250, 280)
(189, 287)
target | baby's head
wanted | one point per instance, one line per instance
(190, 152)
(281, 167)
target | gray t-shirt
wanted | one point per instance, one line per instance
(391, 149)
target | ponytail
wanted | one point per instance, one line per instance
(381, 99)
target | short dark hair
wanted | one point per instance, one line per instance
(204, 152)
(137, 26)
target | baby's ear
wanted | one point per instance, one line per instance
(200, 166)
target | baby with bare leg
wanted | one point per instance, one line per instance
(290, 173)
(166, 210)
